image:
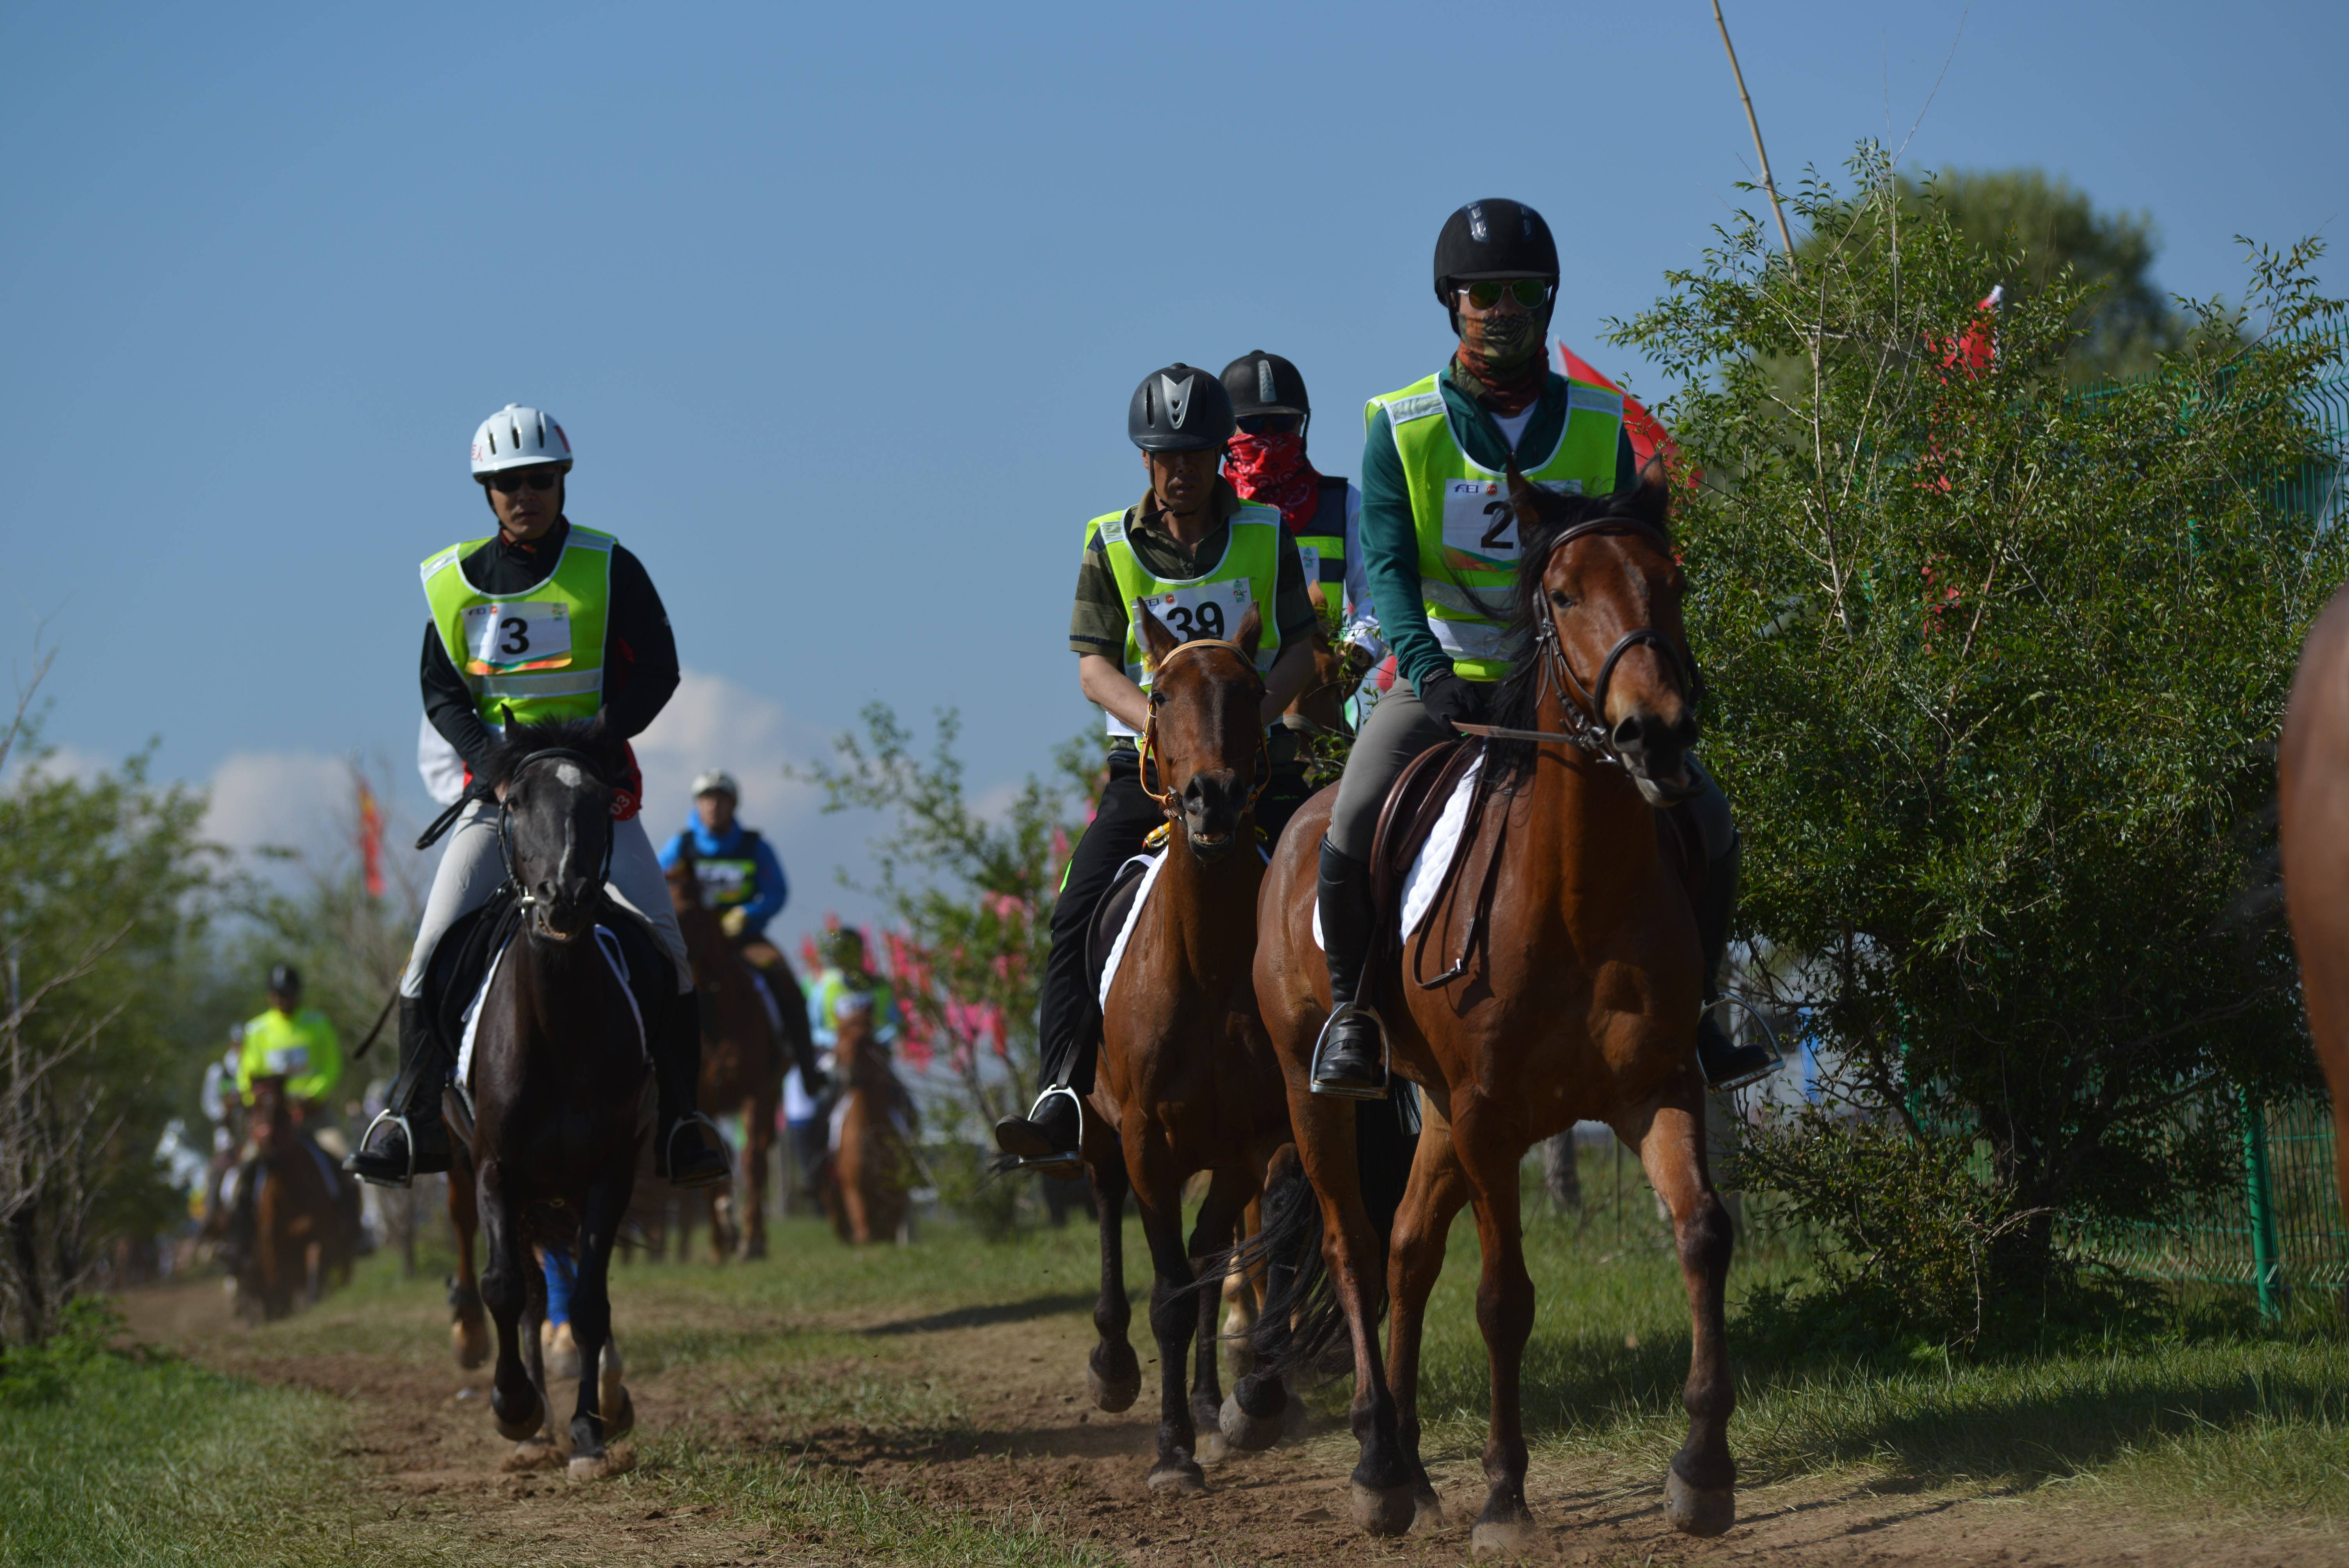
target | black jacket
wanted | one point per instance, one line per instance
(639, 650)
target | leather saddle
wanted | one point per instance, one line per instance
(453, 976)
(1109, 918)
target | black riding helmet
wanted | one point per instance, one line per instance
(1495, 238)
(285, 980)
(1181, 409)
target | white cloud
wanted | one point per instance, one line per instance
(61, 762)
(300, 799)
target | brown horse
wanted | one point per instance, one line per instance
(741, 1060)
(1187, 1080)
(1572, 993)
(2312, 825)
(871, 1167)
(302, 1241)
(548, 1130)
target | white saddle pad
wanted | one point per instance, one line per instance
(1434, 859)
(1132, 918)
(605, 943)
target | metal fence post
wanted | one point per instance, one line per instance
(2266, 1258)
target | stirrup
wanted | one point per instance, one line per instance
(1777, 1057)
(1386, 1056)
(668, 1150)
(1059, 1160)
(408, 1137)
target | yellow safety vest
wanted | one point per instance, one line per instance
(1211, 604)
(539, 651)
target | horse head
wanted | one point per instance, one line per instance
(269, 1119)
(1322, 702)
(1206, 731)
(1603, 609)
(555, 782)
(684, 881)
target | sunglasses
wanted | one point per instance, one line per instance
(1527, 292)
(513, 480)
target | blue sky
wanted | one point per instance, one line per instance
(841, 305)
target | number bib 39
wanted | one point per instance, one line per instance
(503, 637)
(1480, 523)
(1206, 610)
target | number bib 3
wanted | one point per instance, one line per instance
(514, 634)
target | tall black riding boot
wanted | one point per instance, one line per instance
(1726, 1064)
(407, 1138)
(1349, 1058)
(1048, 1137)
(687, 1150)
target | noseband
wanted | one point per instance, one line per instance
(1167, 802)
(525, 900)
(1586, 707)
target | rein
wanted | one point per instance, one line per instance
(1167, 805)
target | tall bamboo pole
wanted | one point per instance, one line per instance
(1770, 185)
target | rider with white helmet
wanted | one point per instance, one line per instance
(542, 621)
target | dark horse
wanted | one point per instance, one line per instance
(1563, 986)
(302, 1240)
(1187, 1080)
(2312, 825)
(558, 1082)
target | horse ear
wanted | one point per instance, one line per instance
(1651, 501)
(1524, 496)
(505, 716)
(1251, 633)
(1156, 641)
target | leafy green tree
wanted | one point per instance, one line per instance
(1995, 672)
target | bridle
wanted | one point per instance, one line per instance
(1168, 804)
(1586, 707)
(525, 900)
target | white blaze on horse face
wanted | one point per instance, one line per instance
(569, 775)
(570, 842)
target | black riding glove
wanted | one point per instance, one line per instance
(1449, 700)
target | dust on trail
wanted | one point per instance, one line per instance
(425, 1461)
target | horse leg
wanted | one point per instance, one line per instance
(757, 1138)
(1113, 1375)
(1700, 1489)
(1227, 1193)
(1483, 1150)
(1173, 1318)
(468, 1328)
(591, 1320)
(513, 1398)
(1415, 1257)
(1385, 1487)
(537, 1450)
(1243, 1298)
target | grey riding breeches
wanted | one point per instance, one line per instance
(1399, 729)
(471, 870)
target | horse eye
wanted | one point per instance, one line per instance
(1561, 600)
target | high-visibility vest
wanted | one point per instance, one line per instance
(1460, 511)
(831, 987)
(303, 1049)
(1211, 604)
(730, 880)
(1324, 534)
(539, 651)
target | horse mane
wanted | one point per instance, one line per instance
(521, 741)
(1516, 702)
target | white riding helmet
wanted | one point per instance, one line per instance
(719, 781)
(519, 438)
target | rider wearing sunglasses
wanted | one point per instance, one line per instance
(546, 620)
(1439, 542)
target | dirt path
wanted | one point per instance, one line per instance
(1025, 1446)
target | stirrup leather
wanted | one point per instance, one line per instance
(1060, 1159)
(408, 1136)
(1386, 1056)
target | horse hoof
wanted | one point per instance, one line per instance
(1427, 1513)
(1113, 1397)
(560, 1351)
(1699, 1510)
(1213, 1450)
(623, 1417)
(1184, 1480)
(522, 1428)
(1510, 1537)
(1249, 1434)
(1384, 1509)
(472, 1349)
(532, 1453)
(611, 1462)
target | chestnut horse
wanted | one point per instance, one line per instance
(559, 1074)
(301, 1237)
(742, 1062)
(2312, 826)
(1187, 1080)
(871, 1166)
(1565, 988)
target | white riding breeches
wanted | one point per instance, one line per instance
(471, 869)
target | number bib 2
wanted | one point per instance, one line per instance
(1480, 523)
(1203, 610)
(517, 636)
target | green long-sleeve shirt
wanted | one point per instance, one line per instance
(1389, 543)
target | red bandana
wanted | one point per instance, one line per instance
(1270, 468)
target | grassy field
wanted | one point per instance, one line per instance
(161, 1461)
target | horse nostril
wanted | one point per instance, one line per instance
(1684, 732)
(1630, 732)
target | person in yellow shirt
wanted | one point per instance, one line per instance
(295, 1043)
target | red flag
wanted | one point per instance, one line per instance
(1647, 434)
(370, 839)
(1978, 344)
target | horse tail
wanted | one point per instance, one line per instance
(1303, 1318)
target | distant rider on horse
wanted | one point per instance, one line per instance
(848, 981)
(298, 1044)
(542, 621)
(1439, 543)
(1199, 556)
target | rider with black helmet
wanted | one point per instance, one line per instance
(1200, 557)
(1441, 556)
